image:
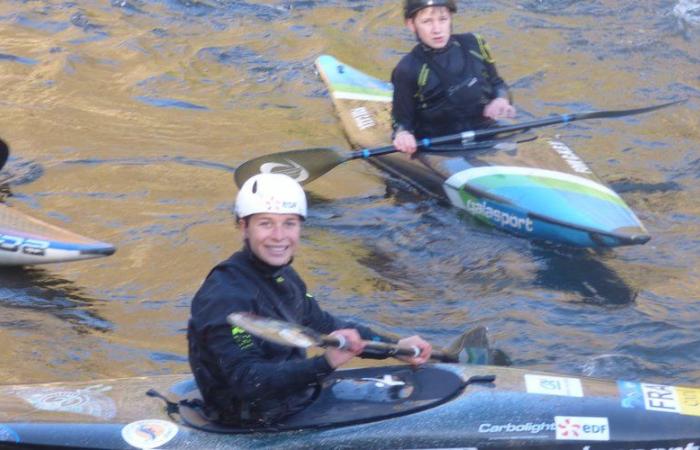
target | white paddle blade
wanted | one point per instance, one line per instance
(276, 331)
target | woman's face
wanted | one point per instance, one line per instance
(433, 25)
(273, 237)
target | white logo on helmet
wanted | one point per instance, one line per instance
(292, 170)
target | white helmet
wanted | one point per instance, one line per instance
(274, 193)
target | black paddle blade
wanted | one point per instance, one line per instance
(484, 133)
(4, 153)
(626, 112)
(476, 337)
(303, 165)
(473, 347)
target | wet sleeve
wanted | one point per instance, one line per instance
(498, 85)
(403, 109)
(250, 372)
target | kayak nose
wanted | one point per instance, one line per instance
(103, 250)
(621, 237)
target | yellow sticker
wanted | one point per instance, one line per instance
(688, 401)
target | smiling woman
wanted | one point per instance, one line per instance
(244, 380)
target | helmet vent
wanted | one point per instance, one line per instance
(255, 187)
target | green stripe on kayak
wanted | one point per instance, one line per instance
(494, 182)
(354, 89)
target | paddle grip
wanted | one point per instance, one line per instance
(339, 341)
(342, 342)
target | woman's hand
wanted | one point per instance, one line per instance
(416, 342)
(353, 346)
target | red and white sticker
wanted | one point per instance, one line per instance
(150, 433)
(582, 428)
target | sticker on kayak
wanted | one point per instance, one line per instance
(499, 216)
(90, 401)
(582, 428)
(658, 397)
(543, 384)
(571, 158)
(37, 247)
(150, 433)
(363, 118)
(495, 214)
(520, 429)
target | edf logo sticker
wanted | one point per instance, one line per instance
(582, 428)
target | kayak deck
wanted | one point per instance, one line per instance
(498, 407)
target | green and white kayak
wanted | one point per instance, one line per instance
(435, 406)
(539, 189)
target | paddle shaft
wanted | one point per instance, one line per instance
(308, 164)
(475, 135)
(385, 348)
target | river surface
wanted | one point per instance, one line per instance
(126, 119)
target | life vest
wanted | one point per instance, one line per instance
(458, 102)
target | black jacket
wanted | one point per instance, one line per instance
(243, 378)
(444, 91)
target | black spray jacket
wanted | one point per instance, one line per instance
(243, 378)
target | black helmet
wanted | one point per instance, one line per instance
(411, 7)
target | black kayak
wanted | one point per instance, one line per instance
(435, 406)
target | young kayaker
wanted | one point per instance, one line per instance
(448, 83)
(243, 379)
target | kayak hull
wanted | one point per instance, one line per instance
(538, 188)
(25, 240)
(501, 407)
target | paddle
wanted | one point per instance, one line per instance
(308, 164)
(470, 347)
(4, 153)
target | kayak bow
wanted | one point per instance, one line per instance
(25, 240)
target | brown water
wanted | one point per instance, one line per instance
(127, 118)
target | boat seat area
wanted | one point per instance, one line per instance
(350, 397)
